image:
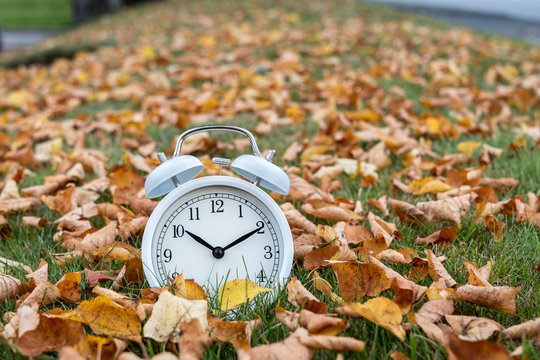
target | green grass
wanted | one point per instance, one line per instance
(35, 14)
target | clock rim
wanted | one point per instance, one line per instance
(217, 180)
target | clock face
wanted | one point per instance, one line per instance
(217, 233)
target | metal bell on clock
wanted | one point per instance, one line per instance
(171, 173)
(182, 168)
(262, 172)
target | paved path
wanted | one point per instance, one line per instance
(21, 39)
(519, 19)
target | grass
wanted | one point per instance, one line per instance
(515, 256)
(35, 14)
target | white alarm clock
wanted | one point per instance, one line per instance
(217, 228)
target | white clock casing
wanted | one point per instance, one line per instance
(267, 253)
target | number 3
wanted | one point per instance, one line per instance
(268, 254)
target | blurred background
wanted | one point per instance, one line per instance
(26, 22)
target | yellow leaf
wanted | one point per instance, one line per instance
(381, 311)
(428, 185)
(147, 52)
(468, 147)
(236, 292)
(107, 318)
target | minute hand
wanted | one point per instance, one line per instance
(242, 238)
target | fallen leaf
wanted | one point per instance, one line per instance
(472, 327)
(495, 227)
(437, 270)
(237, 292)
(500, 298)
(478, 277)
(356, 279)
(194, 340)
(441, 237)
(528, 329)
(460, 349)
(48, 334)
(381, 311)
(106, 318)
(300, 297)
(238, 333)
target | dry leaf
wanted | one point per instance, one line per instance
(381, 311)
(500, 298)
(300, 297)
(356, 280)
(441, 237)
(238, 333)
(460, 349)
(193, 340)
(237, 292)
(437, 270)
(478, 277)
(528, 329)
(473, 328)
(106, 318)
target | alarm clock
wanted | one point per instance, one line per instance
(217, 228)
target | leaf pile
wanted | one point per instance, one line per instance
(391, 139)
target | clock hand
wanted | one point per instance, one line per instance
(200, 241)
(242, 238)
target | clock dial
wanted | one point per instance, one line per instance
(215, 234)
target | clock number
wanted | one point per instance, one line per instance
(167, 254)
(194, 215)
(174, 274)
(240, 210)
(219, 204)
(260, 224)
(261, 277)
(178, 231)
(268, 253)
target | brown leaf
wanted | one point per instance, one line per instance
(92, 278)
(299, 296)
(383, 229)
(441, 237)
(500, 298)
(24, 156)
(459, 349)
(404, 297)
(448, 209)
(34, 221)
(292, 152)
(280, 350)
(43, 295)
(333, 343)
(315, 324)
(48, 334)
(187, 288)
(303, 191)
(94, 347)
(297, 220)
(437, 271)
(356, 280)
(10, 287)
(194, 340)
(356, 234)
(63, 202)
(408, 212)
(380, 204)
(318, 258)
(472, 327)
(69, 287)
(238, 333)
(495, 227)
(11, 206)
(529, 328)
(328, 211)
(478, 277)
(391, 274)
(103, 237)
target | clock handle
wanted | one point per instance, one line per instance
(206, 128)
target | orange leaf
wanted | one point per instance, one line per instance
(356, 280)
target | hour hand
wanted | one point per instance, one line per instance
(243, 237)
(200, 240)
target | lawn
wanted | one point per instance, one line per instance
(404, 98)
(35, 14)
